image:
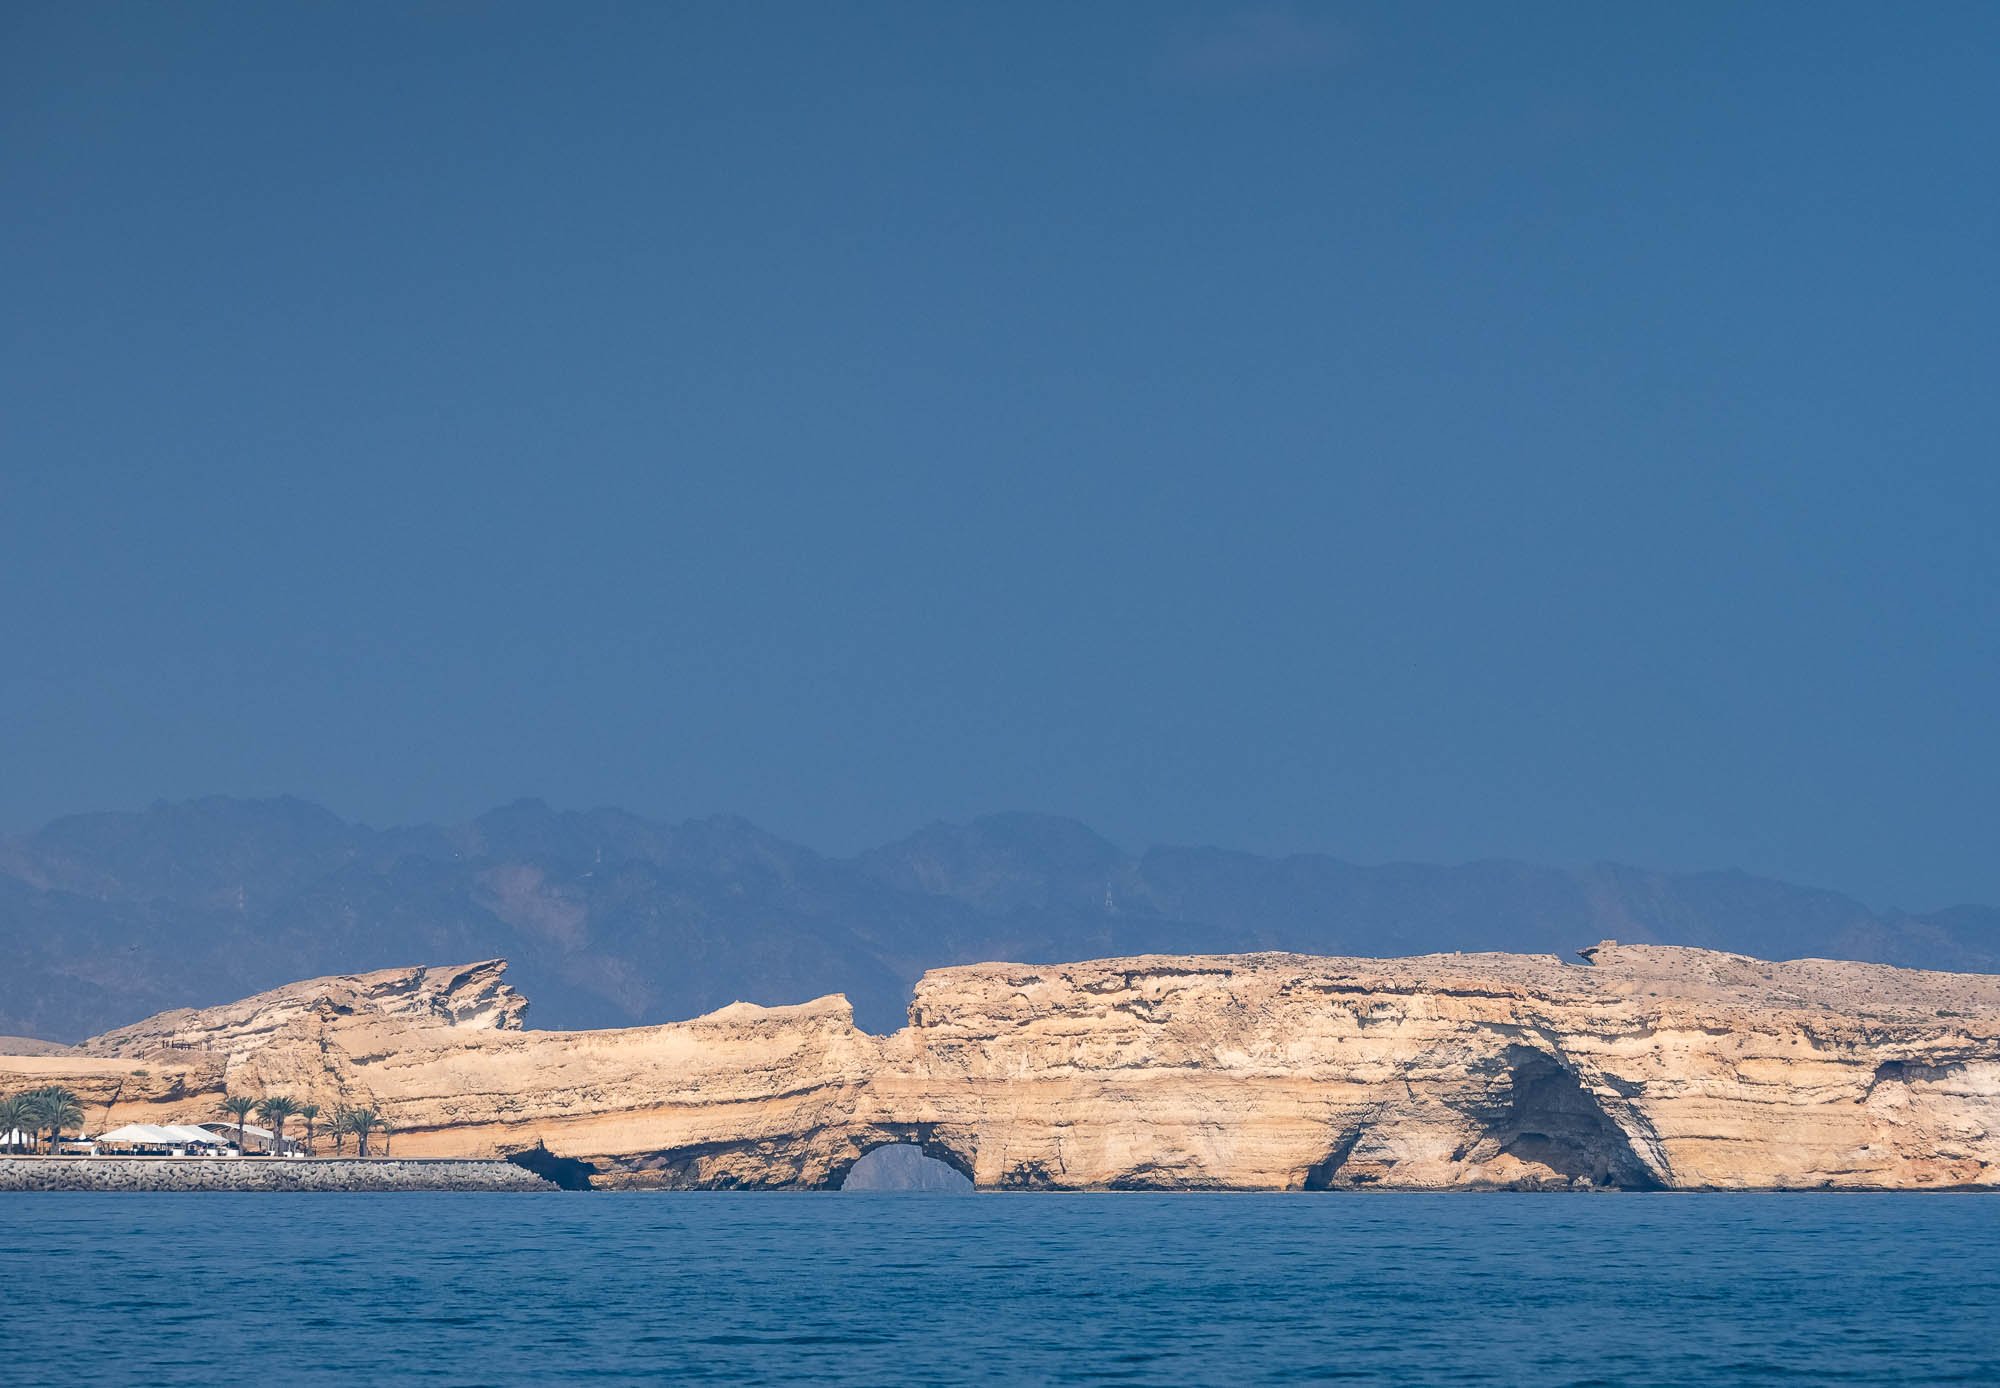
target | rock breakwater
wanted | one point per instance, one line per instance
(195, 1174)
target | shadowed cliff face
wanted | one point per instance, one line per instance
(1537, 1122)
(567, 1173)
(1651, 1067)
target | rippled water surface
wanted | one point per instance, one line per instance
(478, 1289)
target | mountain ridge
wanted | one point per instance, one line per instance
(612, 919)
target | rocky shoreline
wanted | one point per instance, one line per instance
(195, 1174)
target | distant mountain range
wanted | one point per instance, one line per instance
(611, 920)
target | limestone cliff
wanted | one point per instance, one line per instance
(470, 995)
(1646, 1067)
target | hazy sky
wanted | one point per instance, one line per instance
(1403, 431)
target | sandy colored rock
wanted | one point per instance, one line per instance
(469, 996)
(32, 1045)
(1647, 1067)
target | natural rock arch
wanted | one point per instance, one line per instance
(921, 1136)
(1533, 1126)
(817, 1160)
(904, 1167)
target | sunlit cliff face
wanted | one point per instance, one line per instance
(1649, 1067)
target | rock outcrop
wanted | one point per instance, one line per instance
(470, 996)
(1645, 1067)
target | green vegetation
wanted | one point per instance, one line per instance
(240, 1107)
(361, 1122)
(275, 1110)
(17, 1114)
(51, 1108)
(58, 1109)
(44, 1115)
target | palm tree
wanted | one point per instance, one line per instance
(241, 1106)
(55, 1108)
(17, 1114)
(62, 1111)
(275, 1110)
(309, 1112)
(337, 1125)
(361, 1122)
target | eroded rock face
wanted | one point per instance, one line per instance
(1649, 1067)
(471, 996)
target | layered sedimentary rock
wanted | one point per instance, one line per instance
(469, 996)
(1645, 1067)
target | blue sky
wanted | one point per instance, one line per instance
(1561, 432)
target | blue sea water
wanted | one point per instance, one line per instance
(899, 1288)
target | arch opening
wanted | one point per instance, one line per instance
(904, 1166)
(1552, 1122)
(1530, 1125)
(567, 1173)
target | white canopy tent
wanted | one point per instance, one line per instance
(18, 1142)
(252, 1135)
(228, 1127)
(162, 1135)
